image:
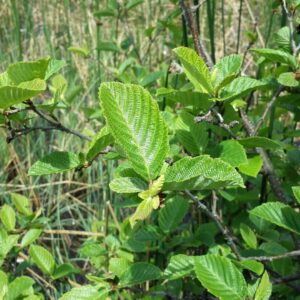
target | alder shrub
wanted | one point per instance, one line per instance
(209, 171)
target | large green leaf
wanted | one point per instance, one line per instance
(42, 258)
(28, 70)
(8, 217)
(221, 277)
(86, 292)
(55, 162)
(201, 172)
(260, 141)
(172, 213)
(19, 287)
(139, 273)
(277, 56)
(280, 214)
(195, 69)
(226, 70)
(180, 265)
(11, 95)
(128, 185)
(191, 135)
(134, 120)
(240, 87)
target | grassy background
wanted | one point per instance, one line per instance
(34, 29)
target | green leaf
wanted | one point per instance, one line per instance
(191, 135)
(282, 38)
(28, 70)
(261, 142)
(195, 69)
(264, 289)
(64, 270)
(252, 167)
(201, 172)
(86, 292)
(8, 217)
(12, 95)
(135, 122)
(83, 51)
(239, 87)
(143, 210)
(226, 70)
(118, 266)
(280, 214)
(30, 236)
(248, 236)
(252, 265)
(172, 213)
(277, 56)
(108, 46)
(233, 153)
(22, 204)
(133, 3)
(151, 78)
(106, 12)
(180, 265)
(42, 258)
(288, 79)
(296, 192)
(99, 143)
(53, 67)
(3, 284)
(7, 243)
(128, 185)
(18, 287)
(55, 162)
(220, 277)
(139, 273)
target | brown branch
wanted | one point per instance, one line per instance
(224, 230)
(190, 19)
(268, 168)
(72, 232)
(275, 257)
(53, 121)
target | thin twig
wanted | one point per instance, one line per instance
(290, 25)
(72, 232)
(224, 230)
(267, 109)
(275, 257)
(56, 123)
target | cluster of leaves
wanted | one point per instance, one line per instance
(204, 219)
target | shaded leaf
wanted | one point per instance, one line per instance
(55, 162)
(22, 204)
(138, 273)
(172, 213)
(259, 141)
(248, 236)
(280, 214)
